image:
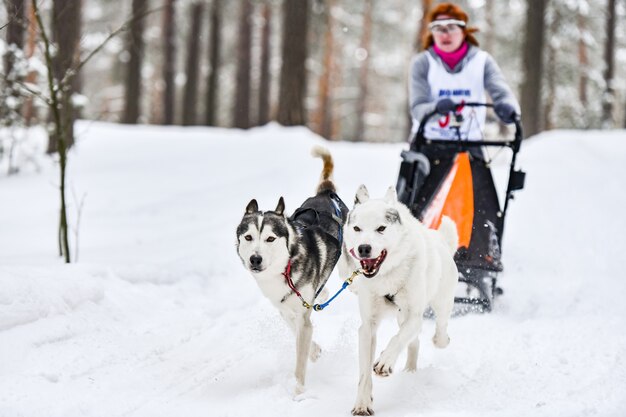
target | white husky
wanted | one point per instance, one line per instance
(407, 268)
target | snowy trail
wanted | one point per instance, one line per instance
(159, 318)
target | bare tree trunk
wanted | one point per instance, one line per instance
(265, 80)
(66, 24)
(533, 67)
(55, 106)
(15, 30)
(155, 93)
(15, 41)
(29, 108)
(550, 102)
(293, 74)
(135, 46)
(56, 87)
(190, 100)
(363, 72)
(608, 98)
(323, 115)
(490, 35)
(241, 109)
(422, 31)
(583, 60)
(489, 45)
(427, 6)
(169, 62)
(214, 62)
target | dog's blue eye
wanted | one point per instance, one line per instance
(381, 229)
(357, 229)
(248, 238)
(271, 239)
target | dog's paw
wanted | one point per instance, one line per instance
(315, 352)
(441, 341)
(299, 390)
(411, 368)
(362, 411)
(382, 369)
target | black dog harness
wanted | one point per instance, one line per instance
(304, 218)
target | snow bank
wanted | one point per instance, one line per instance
(159, 318)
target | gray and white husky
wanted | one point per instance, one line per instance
(407, 267)
(292, 258)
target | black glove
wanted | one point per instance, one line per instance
(505, 112)
(445, 106)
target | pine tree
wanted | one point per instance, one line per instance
(135, 47)
(169, 61)
(215, 42)
(608, 99)
(241, 109)
(190, 100)
(533, 67)
(293, 73)
(265, 79)
(66, 33)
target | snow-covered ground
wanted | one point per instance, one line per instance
(159, 318)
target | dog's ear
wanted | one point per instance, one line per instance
(392, 216)
(280, 207)
(361, 195)
(391, 196)
(252, 207)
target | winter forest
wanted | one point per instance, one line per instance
(337, 66)
(134, 134)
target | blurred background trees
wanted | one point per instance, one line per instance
(339, 67)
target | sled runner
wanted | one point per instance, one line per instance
(453, 177)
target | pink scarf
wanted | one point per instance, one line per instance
(452, 58)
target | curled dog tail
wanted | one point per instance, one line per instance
(449, 232)
(326, 179)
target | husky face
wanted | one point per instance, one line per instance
(372, 229)
(263, 238)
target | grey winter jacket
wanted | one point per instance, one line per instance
(421, 100)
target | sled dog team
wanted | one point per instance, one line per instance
(404, 269)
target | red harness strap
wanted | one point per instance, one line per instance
(287, 275)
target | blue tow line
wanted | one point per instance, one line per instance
(320, 307)
(348, 281)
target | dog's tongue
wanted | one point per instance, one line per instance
(368, 263)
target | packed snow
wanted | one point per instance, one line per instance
(158, 317)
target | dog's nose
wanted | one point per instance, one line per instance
(365, 251)
(255, 261)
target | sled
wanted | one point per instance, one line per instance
(453, 177)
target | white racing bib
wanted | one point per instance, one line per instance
(465, 86)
